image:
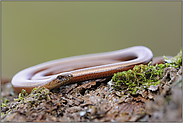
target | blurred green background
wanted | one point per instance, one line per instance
(36, 32)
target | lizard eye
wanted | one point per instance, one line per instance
(59, 77)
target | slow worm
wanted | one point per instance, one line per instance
(68, 70)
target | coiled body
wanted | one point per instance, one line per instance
(63, 71)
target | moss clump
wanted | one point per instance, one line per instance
(21, 96)
(177, 60)
(4, 104)
(143, 76)
(33, 99)
(37, 95)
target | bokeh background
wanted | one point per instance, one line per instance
(36, 32)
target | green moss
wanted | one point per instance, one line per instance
(4, 104)
(33, 99)
(37, 95)
(21, 95)
(143, 76)
(177, 60)
(2, 114)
